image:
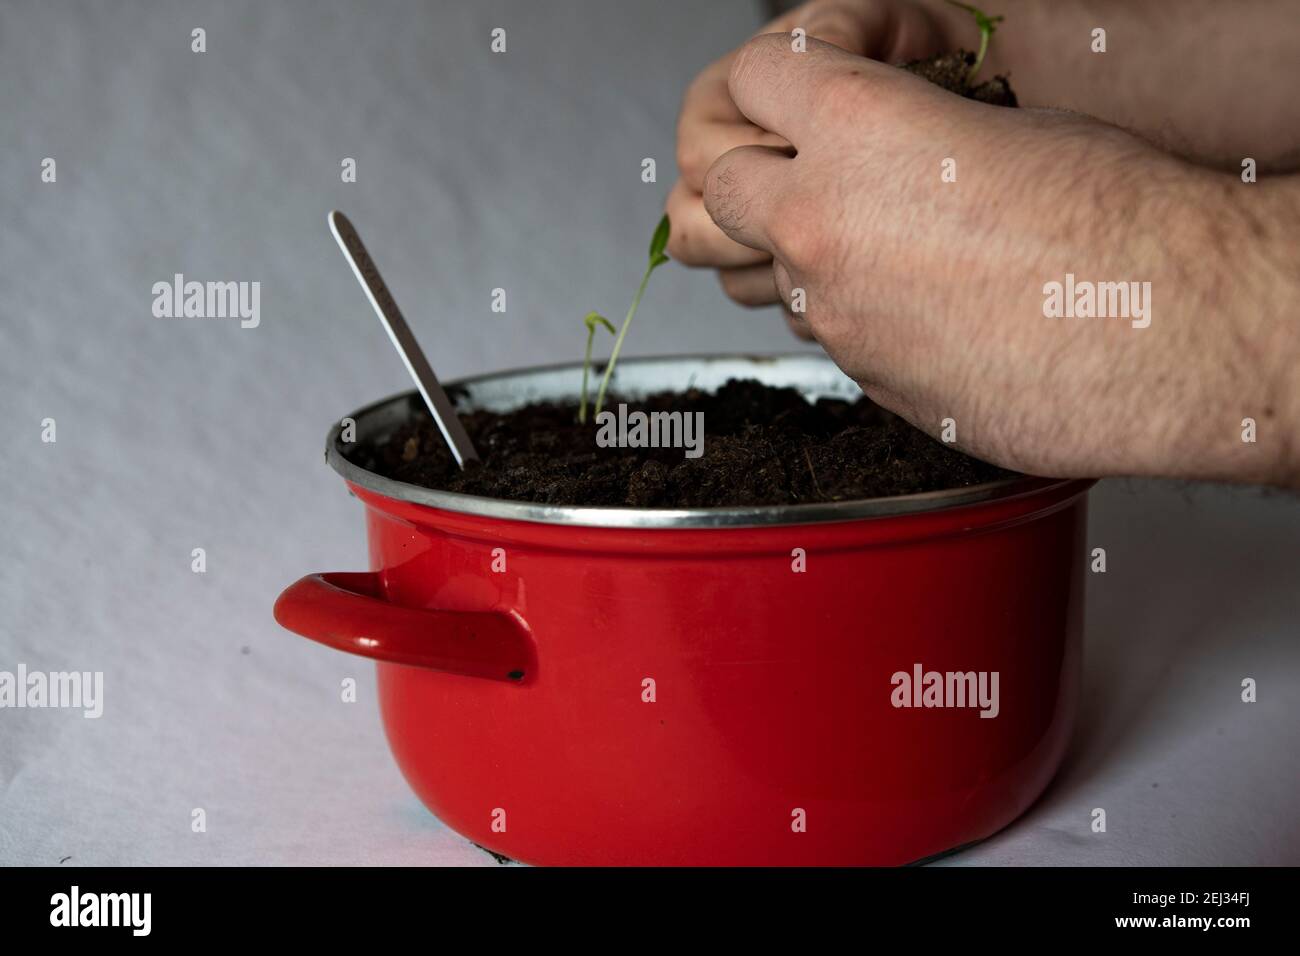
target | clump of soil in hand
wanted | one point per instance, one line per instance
(952, 72)
(762, 446)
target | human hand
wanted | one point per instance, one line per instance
(710, 125)
(931, 294)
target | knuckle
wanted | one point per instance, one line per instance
(713, 179)
(753, 60)
(742, 64)
(722, 199)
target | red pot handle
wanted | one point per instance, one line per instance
(347, 610)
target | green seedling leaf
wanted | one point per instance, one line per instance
(658, 243)
(595, 317)
(592, 320)
(987, 26)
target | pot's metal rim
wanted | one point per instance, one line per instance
(645, 518)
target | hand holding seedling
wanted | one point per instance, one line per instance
(931, 293)
(987, 26)
(1145, 86)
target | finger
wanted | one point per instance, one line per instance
(859, 28)
(707, 98)
(696, 241)
(848, 26)
(750, 286)
(779, 89)
(740, 191)
(710, 124)
(840, 24)
(700, 143)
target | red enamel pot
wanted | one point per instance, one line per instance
(867, 682)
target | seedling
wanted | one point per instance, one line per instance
(988, 26)
(658, 243)
(592, 320)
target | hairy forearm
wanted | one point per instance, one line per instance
(1235, 305)
(1211, 81)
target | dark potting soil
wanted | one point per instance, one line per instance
(762, 446)
(952, 72)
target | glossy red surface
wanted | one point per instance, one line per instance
(773, 699)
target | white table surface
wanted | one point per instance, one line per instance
(474, 171)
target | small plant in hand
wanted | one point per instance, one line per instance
(956, 71)
(987, 25)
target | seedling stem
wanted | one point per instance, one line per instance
(988, 26)
(592, 320)
(657, 258)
